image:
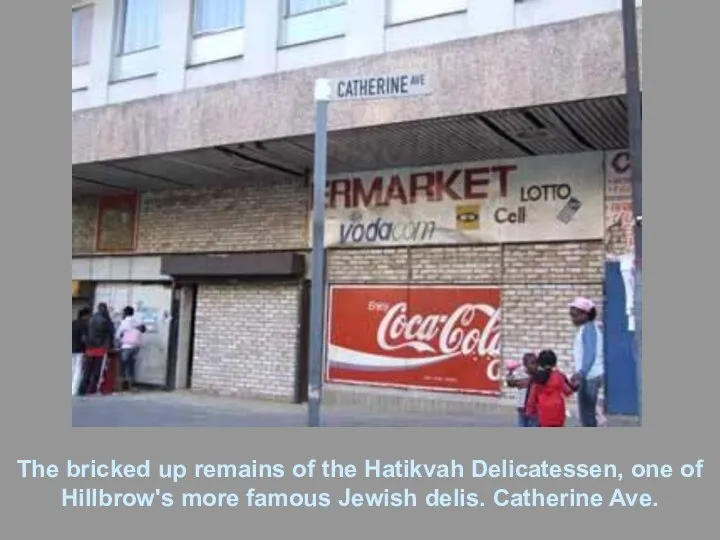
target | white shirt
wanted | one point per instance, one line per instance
(128, 323)
(520, 375)
(589, 335)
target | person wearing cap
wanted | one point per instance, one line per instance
(588, 357)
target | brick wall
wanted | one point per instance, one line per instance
(84, 220)
(246, 340)
(260, 215)
(538, 281)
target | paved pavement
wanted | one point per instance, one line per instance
(181, 409)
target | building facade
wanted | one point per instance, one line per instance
(506, 186)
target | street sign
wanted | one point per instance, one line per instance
(327, 90)
(375, 87)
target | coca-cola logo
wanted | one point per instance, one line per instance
(441, 335)
(494, 369)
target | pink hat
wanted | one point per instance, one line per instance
(583, 304)
(512, 365)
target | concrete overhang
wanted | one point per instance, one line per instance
(561, 128)
(576, 62)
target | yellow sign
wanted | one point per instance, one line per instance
(75, 288)
(467, 217)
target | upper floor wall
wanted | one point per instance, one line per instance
(124, 50)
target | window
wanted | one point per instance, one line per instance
(140, 28)
(218, 15)
(401, 11)
(312, 20)
(82, 20)
(296, 7)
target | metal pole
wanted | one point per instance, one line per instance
(634, 104)
(317, 285)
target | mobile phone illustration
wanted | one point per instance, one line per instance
(569, 210)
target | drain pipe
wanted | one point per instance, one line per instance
(634, 104)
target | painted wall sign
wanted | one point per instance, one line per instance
(117, 223)
(429, 337)
(550, 198)
(619, 221)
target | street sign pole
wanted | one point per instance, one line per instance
(317, 285)
(326, 90)
(634, 104)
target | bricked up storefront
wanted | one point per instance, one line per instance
(248, 334)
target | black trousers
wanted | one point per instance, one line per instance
(92, 369)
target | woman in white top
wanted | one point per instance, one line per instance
(589, 358)
(129, 334)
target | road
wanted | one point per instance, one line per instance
(182, 409)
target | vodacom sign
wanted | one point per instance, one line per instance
(445, 338)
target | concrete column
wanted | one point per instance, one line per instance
(102, 51)
(365, 34)
(261, 37)
(486, 17)
(175, 28)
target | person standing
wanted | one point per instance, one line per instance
(79, 338)
(589, 359)
(547, 395)
(129, 335)
(522, 379)
(99, 342)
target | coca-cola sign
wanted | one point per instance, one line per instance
(432, 337)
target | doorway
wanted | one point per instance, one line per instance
(152, 303)
(303, 368)
(182, 337)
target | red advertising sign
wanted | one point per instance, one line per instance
(428, 337)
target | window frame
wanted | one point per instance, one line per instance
(288, 15)
(75, 9)
(389, 23)
(202, 33)
(120, 17)
(286, 19)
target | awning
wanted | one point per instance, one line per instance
(278, 265)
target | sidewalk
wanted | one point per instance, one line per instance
(184, 409)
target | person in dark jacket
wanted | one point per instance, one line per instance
(80, 330)
(100, 340)
(79, 337)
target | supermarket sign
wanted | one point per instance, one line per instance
(552, 198)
